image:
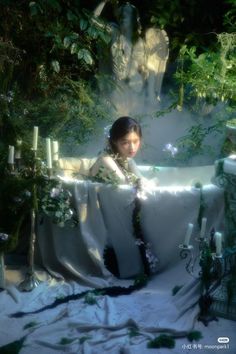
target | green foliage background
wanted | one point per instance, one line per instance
(49, 59)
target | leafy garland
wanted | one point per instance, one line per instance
(112, 291)
(138, 234)
(56, 204)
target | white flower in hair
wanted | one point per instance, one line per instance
(107, 131)
(170, 148)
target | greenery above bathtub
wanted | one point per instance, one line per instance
(231, 123)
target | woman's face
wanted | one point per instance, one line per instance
(128, 145)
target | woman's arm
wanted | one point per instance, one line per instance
(108, 166)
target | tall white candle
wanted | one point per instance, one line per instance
(35, 138)
(48, 153)
(218, 243)
(203, 228)
(11, 154)
(55, 150)
(188, 234)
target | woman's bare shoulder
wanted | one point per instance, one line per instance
(106, 158)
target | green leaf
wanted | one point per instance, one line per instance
(65, 341)
(83, 24)
(80, 54)
(33, 8)
(163, 341)
(175, 289)
(73, 36)
(92, 31)
(66, 41)
(90, 298)
(49, 34)
(30, 325)
(54, 4)
(14, 347)
(56, 66)
(105, 37)
(86, 56)
(71, 17)
(141, 279)
(74, 48)
(83, 339)
(194, 335)
(133, 332)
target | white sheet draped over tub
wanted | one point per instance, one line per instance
(105, 217)
(106, 326)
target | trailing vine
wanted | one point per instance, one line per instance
(138, 234)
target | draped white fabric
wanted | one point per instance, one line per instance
(105, 217)
(76, 254)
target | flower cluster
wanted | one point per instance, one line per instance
(171, 149)
(151, 258)
(107, 131)
(56, 203)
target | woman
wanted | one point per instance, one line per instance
(116, 162)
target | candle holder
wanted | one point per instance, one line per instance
(186, 253)
(31, 188)
(31, 280)
(2, 271)
(3, 239)
(213, 268)
(11, 168)
(50, 172)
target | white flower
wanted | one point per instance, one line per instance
(3, 237)
(152, 259)
(141, 195)
(27, 194)
(170, 148)
(107, 131)
(139, 242)
(55, 192)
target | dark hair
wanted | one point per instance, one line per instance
(121, 127)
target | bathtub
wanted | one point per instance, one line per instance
(161, 176)
(179, 176)
(105, 215)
